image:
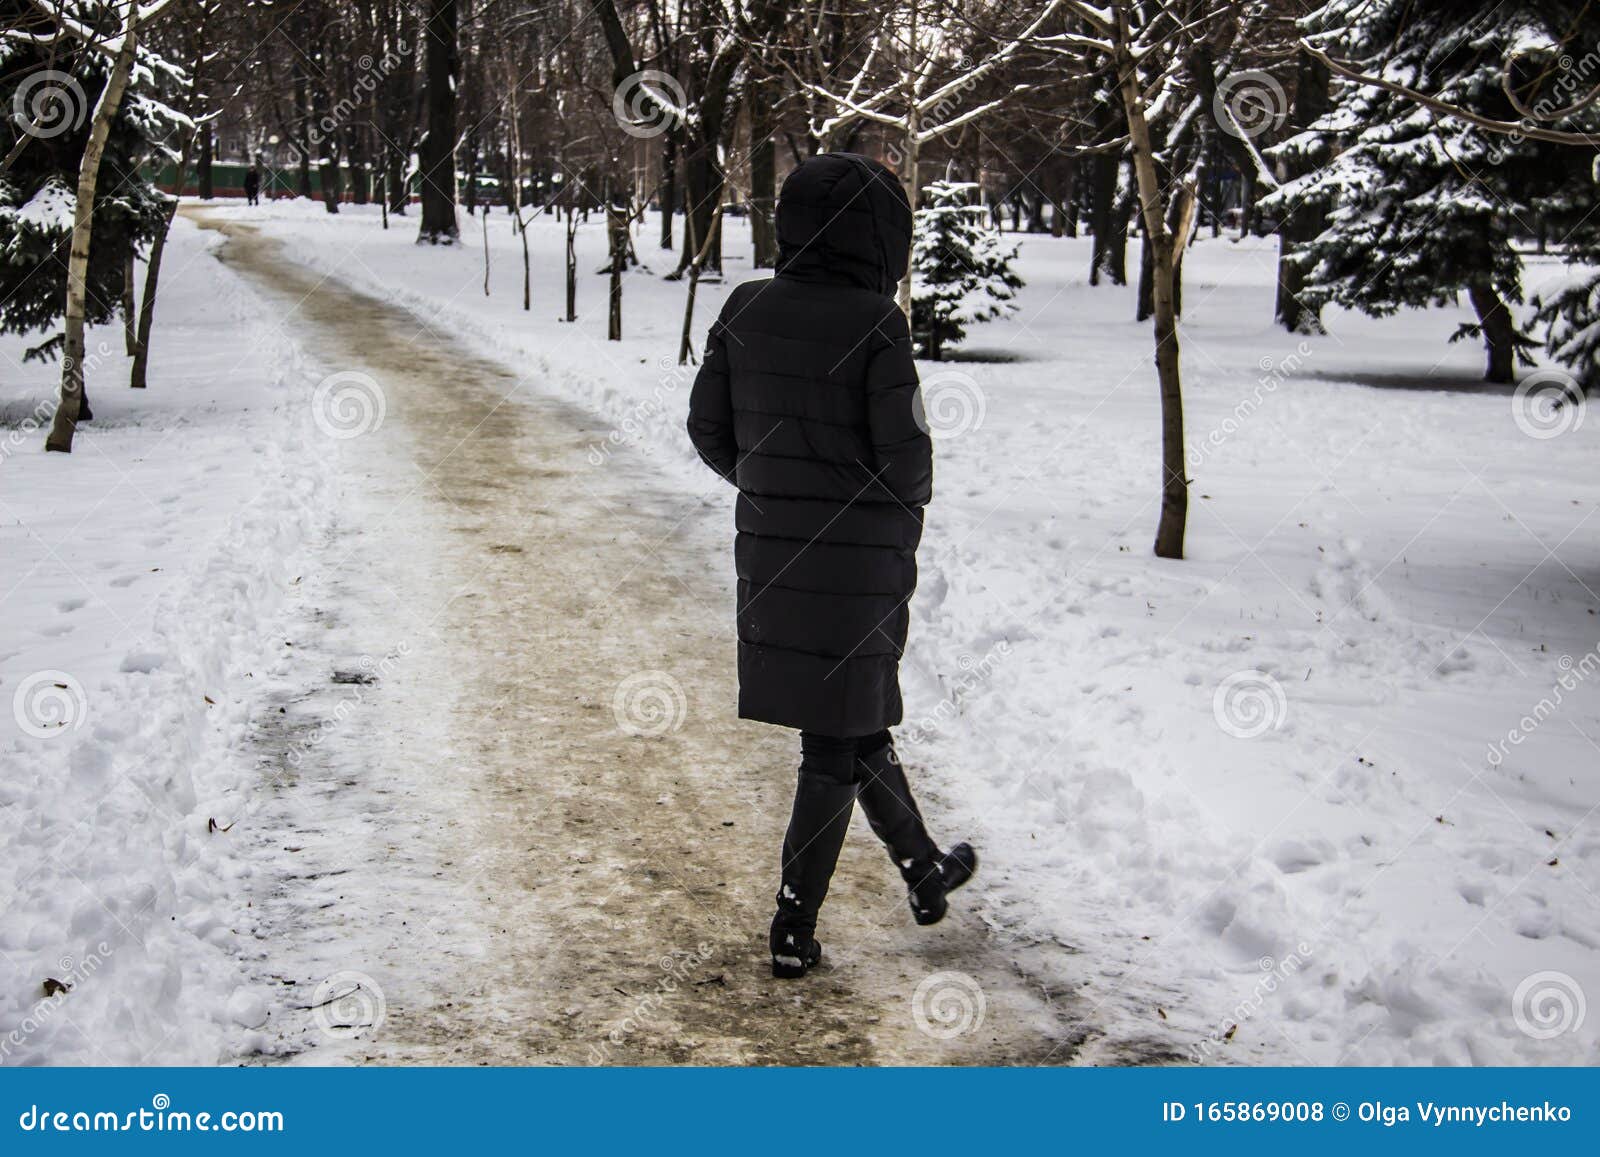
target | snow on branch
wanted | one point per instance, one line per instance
(914, 102)
(1508, 128)
(66, 25)
(1100, 19)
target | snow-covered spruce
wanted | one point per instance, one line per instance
(1422, 206)
(50, 89)
(1568, 308)
(961, 269)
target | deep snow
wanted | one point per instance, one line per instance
(141, 577)
(1382, 562)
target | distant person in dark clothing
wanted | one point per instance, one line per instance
(807, 402)
(252, 186)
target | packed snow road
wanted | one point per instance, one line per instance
(512, 818)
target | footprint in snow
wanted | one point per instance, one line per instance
(1457, 661)
(1294, 856)
(142, 662)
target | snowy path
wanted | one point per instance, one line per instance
(1400, 865)
(472, 835)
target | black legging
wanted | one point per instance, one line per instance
(834, 772)
(833, 757)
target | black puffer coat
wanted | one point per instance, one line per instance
(807, 401)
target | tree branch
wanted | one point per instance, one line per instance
(1490, 124)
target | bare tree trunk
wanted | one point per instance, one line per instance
(913, 177)
(436, 155)
(527, 263)
(67, 413)
(668, 196)
(486, 253)
(1499, 332)
(152, 275)
(1069, 203)
(399, 191)
(1063, 211)
(617, 236)
(1146, 307)
(1174, 481)
(705, 184)
(572, 267)
(1302, 222)
(913, 156)
(1186, 203)
(301, 33)
(1123, 208)
(130, 321)
(328, 176)
(203, 179)
(763, 175)
(360, 172)
(514, 183)
(1036, 209)
(1102, 198)
(1180, 218)
(685, 348)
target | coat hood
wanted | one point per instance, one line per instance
(844, 218)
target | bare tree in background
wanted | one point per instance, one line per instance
(437, 149)
(1146, 48)
(918, 77)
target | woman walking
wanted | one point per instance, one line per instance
(807, 402)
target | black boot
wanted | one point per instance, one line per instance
(823, 800)
(794, 950)
(930, 875)
(930, 891)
